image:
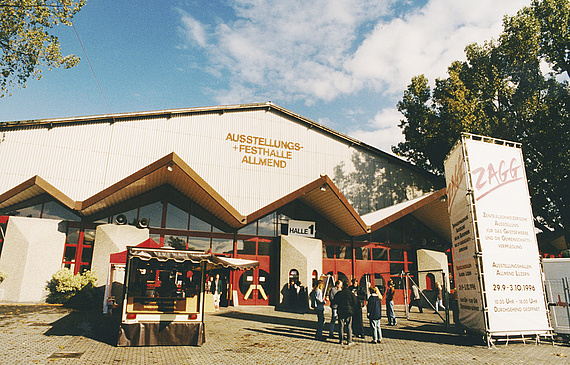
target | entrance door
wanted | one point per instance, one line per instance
(254, 286)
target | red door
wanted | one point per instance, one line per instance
(254, 286)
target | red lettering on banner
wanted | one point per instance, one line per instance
(491, 178)
(454, 182)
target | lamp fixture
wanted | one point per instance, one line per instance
(324, 187)
(169, 167)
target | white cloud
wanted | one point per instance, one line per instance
(427, 41)
(299, 48)
(383, 131)
(192, 29)
(319, 50)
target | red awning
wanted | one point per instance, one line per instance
(121, 257)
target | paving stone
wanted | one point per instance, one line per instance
(252, 335)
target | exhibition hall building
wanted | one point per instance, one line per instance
(250, 181)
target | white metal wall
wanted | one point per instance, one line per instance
(82, 160)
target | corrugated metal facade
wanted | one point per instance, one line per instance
(83, 159)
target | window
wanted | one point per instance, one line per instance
(249, 229)
(267, 226)
(197, 224)
(176, 242)
(54, 210)
(176, 218)
(246, 247)
(198, 243)
(222, 245)
(78, 251)
(362, 253)
(379, 254)
(396, 255)
(152, 212)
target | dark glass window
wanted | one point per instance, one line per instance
(86, 254)
(72, 236)
(362, 253)
(344, 252)
(30, 212)
(176, 218)
(379, 254)
(395, 234)
(152, 212)
(131, 216)
(264, 248)
(396, 255)
(246, 247)
(176, 242)
(69, 254)
(54, 210)
(198, 244)
(380, 235)
(222, 245)
(267, 225)
(249, 229)
(197, 224)
(328, 251)
(396, 268)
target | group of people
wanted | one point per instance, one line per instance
(294, 296)
(346, 304)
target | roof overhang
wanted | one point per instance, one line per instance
(32, 188)
(323, 197)
(195, 257)
(169, 170)
(430, 209)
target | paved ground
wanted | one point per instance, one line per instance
(46, 334)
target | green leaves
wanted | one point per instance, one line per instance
(500, 91)
(26, 45)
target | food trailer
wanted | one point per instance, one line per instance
(165, 293)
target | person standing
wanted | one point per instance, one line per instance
(216, 288)
(390, 304)
(334, 307)
(344, 300)
(357, 323)
(318, 304)
(374, 313)
(415, 298)
(439, 301)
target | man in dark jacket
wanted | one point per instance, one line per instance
(347, 303)
(357, 323)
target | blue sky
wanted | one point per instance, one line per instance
(341, 63)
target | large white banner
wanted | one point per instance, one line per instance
(464, 243)
(504, 220)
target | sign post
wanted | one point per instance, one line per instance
(495, 252)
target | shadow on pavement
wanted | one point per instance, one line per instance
(91, 324)
(421, 331)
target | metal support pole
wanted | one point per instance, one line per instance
(445, 299)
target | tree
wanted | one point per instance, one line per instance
(500, 91)
(26, 45)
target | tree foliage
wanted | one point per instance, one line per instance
(502, 92)
(26, 45)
